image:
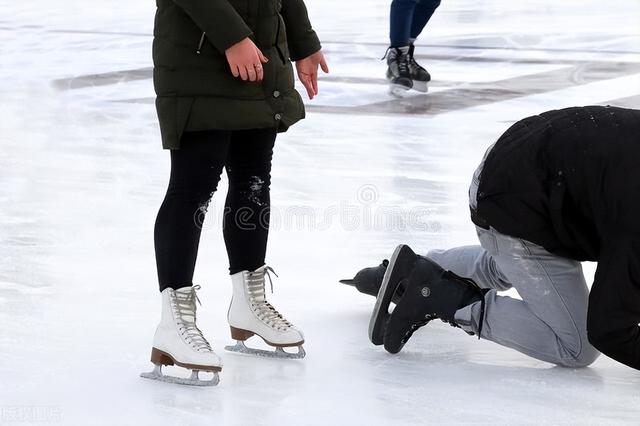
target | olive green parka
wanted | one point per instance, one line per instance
(194, 85)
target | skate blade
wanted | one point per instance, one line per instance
(349, 282)
(380, 314)
(421, 86)
(278, 353)
(399, 91)
(194, 380)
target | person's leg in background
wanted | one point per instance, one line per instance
(407, 20)
(195, 174)
(246, 216)
(422, 13)
(400, 24)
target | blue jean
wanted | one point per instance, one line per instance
(408, 19)
(550, 322)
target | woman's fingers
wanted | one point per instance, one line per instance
(234, 70)
(263, 58)
(244, 75)
(324, 66)
(260, 72)
(314, 82)
(305, 79)
(251, 69)
(245, 61)
(252, 73)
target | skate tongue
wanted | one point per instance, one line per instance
(191, 290)
(266, 271)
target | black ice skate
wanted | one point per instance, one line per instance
(369, 280)
(398, 72)
(419, 75)
(429, 293)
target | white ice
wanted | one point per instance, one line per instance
(82, 175)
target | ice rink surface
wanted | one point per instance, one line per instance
(82, 175)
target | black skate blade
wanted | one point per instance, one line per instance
(351, 282)
(390, 282)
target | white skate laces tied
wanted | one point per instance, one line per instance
(184, 307)
(263, 309)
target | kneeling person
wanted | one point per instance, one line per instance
(556, 189)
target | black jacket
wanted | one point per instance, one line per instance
(191, 75)
(569, 180)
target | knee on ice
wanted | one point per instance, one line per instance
(584, 357)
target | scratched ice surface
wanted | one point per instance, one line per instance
(82, 175)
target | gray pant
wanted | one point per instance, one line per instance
(550, 322)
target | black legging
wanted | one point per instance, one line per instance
(195, 173)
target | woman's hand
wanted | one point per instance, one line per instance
(245, 60)
(308, 72)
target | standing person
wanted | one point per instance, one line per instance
(224, 84)
(407, 20)
(556, 189)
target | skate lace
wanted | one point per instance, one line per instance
(257, 297)
(480, 291)
(402, 60)
(184, 308)
(386, 53)
(415, 326)
(403, 65)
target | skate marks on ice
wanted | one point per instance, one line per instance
(355, 93)
(103, 79)
(478, 94)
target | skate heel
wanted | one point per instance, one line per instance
(240, 334)
(160, 358)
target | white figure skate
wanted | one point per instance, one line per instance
(179, 341)
(250, 314)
